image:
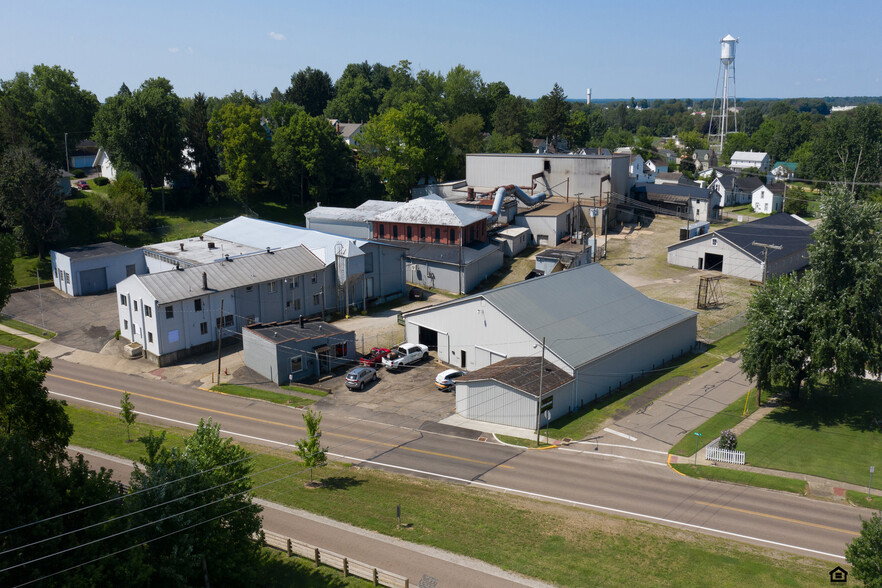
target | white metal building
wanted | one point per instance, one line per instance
(549, 222)
(90, 269)
(350, 222)
(597, 329)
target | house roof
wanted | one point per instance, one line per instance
(748, 184)
(364, 212)
(775, 188)
(702, 154)
(755, 156)
(583, 313)
(441, 253)
(658, 162)
(669, 176)
(677, 193)
(431, 210)
(521, 373)
(347, 130)
(174, 285)
(788, 164)
(107, 248)
(280, 333)
(788, 230)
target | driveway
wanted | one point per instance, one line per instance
(82, 322)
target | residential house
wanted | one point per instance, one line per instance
(704, 159)
(741, 160)
(657, 165)
(83, 154)
(782, 171)
(734, 189)
(105, 167)
(348, 131)
(768, 198)
(674, 178)
(734, 250)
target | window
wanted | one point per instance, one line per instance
(296, 363)
(203, 328)
(228, 321)
(148, 311)
(295, 282)
(135, 305)
(409, 232)
(122, 299)
(149, 337)
(452, 235)
(66, 278)
(316, 299)
(197, 305)
(130, 270)
(382, 230)
(422, 233)
(55, 269)
(169, 312)
(714, 241)
(314, 278)
(368, 263)
(340, 349)
(437, 234)
(394, 231)
(125, 325)
(296, 304)
(271, 287)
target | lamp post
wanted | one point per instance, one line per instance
(872, 468)
(695, 457)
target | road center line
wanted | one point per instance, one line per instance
(777, 518)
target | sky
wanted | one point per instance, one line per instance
(619, 49)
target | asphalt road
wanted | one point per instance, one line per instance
(615, 479)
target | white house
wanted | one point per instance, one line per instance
(768, 199)
(102, 162)
(657, 165)
(782, 171)
(749, 159)
(735, 190)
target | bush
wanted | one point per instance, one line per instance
(78, 173)
(728, 440)
(117, 334)
(100, 181)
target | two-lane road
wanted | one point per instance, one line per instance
(624, 482)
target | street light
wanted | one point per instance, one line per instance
(695, 457)
(872, 468)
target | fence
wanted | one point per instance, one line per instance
(720, 330)
(349, 567)
(713, 452)
(385, 339)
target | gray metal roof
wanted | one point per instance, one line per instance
(432, 210)
(95, 250)
(521, 373)
(174, 285)
(364, 212)
(288, 331)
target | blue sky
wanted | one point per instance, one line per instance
(618, 49)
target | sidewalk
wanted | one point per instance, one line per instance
(28, 336)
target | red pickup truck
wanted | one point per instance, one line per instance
(374, 358)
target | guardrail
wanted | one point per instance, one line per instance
(349, 567)
(713, 452)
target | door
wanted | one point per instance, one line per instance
(700, 263)
(713, 262)
(462, 358)
(93, 281)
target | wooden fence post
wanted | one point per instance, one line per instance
(317, 557)
(345, 567)
(290, 552)
(376, 578)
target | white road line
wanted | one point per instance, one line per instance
(625, 435)
(495, 487)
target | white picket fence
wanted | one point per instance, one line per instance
(713, 452)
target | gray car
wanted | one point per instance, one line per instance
(358, 377)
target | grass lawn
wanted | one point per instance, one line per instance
(580, 424)
(520, 442)
(741, 477)
(248, 392)
(26, 327)
(11, 340)
(860, 499)
(277, 569)
(725, 419)
(560, 544)
(25, 270)
(302, 390)
(831, 436)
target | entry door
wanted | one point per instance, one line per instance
(462, 358)
(700, 263)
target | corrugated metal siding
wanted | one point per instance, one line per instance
(735, 261)
(492, 402)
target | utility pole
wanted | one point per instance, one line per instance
(539, 403)
(66, 156)
(220, 333)
(766, 246)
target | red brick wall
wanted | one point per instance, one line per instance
(398, 231)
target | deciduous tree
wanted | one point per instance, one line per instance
(127, 413)
(126, 206)
(197, 138)
(864, 553)
(310, 449)
(236, 131)
(7, 271)
(312, 89)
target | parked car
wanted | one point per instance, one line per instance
(405, 354)
(446, 379)
(83, 185)
(374, 358)
(358, 377)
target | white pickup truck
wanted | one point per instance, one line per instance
(405, 354)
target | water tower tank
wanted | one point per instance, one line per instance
(727, 54)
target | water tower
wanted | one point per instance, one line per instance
(725, 99)
(589, 96)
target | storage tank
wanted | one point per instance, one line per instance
(727, 53)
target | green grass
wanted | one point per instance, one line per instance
(11, 340)
(26, 327)
(277, 569)
(860, 499)
(560, 544)
(107, 432)
(302, 390)
(25, 270)
(742, 477)
(269, 396)
(710, 429)
(827, 435)
(521, 442)
(580, 424)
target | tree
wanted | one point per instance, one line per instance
(7, 271)
(796, 201)
(236, 131)
(312, 89)
(734, 142)
(198, 141)
(127, 414)
(466, 136)
(310, 449)
(26, 410)
(462, 90)
(404, 145)
(31, 203)
(864, 553)
(552, 113)
(691, 141)
(126, 205)
(201, 515)
(849, 147)
(750, 120)
(20, 126)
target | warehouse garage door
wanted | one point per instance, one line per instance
(93, 281)
(713, 262)
(429, 338)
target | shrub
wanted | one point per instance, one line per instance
(728, 440)
(100, 181)
(78, 173)
(117, 334)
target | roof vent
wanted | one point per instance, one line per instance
(268, 250)
(201, 237)
(227, 257)
(211, 244)
(182, 246)
(204, 281)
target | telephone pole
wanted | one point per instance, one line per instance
(539, 402)
(766, 246)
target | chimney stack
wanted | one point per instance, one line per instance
(204, 281)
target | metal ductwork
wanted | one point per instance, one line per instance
(519, 194)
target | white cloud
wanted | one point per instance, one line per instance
(173, 49)
(821, 80)
(277, 36)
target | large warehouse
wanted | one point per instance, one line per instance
(599, 334)
(736, 251)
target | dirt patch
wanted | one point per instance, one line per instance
(637, 403)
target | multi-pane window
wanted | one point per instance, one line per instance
(197, 304)
(122, 299)
(169, 312)
(148, 311)
(203, 328)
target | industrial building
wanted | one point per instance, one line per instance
(688, 202)
(738, 251)
(598, 331)
(91, 269)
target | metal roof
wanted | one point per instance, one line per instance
(197, 251)
(432, 210)
(672, 192)
(521, 373)
(95, 250)
(288, 331)
(757, 156)
(174, 285)
(787, 230)
(550, 209)
(365, 212)
(583, 313)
